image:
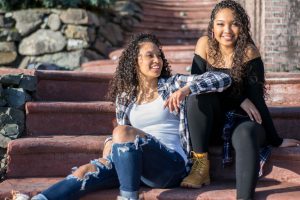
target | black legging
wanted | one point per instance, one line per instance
(205, 117)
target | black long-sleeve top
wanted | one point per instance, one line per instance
(252, 89)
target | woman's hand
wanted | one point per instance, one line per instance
(107, 149)
(173, 102)
(251, 110)
(290, 143)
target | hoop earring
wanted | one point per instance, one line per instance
(212, 35)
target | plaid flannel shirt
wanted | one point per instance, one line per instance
(204, 83)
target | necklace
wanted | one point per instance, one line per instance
(147, 97)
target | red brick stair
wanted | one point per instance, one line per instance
(216, 191)
(51, 156)
(69, 118)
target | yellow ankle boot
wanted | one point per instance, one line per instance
(199, 173)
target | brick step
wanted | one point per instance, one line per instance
(6, 70)
(109, 68)
(169, 39)
(69, 118)
(283, 166)
(165, 26)
(178, 14)
(52, 155)
(178, 6)
(65, 152)
(283, 88)
(175, 20)
(71, 86)
(224, 190)
(173, 53)
(204, 8)
(174, 3)
(88, 86)
(166, 34)
(95, 118)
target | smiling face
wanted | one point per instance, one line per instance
(149, 61)
(225, 28)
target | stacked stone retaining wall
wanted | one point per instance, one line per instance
(66, 38)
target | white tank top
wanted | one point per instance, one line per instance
(153, 119)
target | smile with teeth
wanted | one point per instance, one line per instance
(227, 37)
(155, 67)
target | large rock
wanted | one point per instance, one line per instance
(7, 57)
(4, 119)
(28, 83)
(101, 47)
(54, 22)
(9, 35)
(16, 97)
(7, 46)
(80, 16)
(68, 60)
(10, 79)
(16, 116)
(27, 21)
(113, 33)
(2, 102)
(4, 141)
(8, 52)
(45, 66)
(80, 32)
(76, 44)
(41, 42)
(11, 130)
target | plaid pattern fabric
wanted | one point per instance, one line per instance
(204, 83)
(231, 120)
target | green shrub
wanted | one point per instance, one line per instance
(8, 5)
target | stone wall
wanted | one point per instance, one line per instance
(15, 91)
(66, 38)
(276, 31)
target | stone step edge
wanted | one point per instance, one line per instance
(56, 143)
(29, 145)
(7, 70)
(178, 4)
(71, 75)
(225, 189)
(70, 107)
(107, 106)
(113, 64)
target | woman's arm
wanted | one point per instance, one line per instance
(255, 80)
(182, 85)
(200, 57)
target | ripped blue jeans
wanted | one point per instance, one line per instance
(145, 160)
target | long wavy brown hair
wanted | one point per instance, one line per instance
(125, 81)
(244, 39)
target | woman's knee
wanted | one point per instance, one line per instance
(124, 133)
(82, 170)
(248, 132)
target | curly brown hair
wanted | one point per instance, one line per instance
(125, 80)
(237, 71)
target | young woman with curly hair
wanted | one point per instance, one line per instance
(239, 113)
(150, 143)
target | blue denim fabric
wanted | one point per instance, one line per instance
(145, 159)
